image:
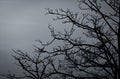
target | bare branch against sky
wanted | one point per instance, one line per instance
(21, 23)
(60, 39)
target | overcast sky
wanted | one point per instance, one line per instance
(22, 22)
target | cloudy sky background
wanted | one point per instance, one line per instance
(24, 21)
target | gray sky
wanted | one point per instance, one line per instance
(22, 22)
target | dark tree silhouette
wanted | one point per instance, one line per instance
(76, 58)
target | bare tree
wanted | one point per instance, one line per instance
(76, 58)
